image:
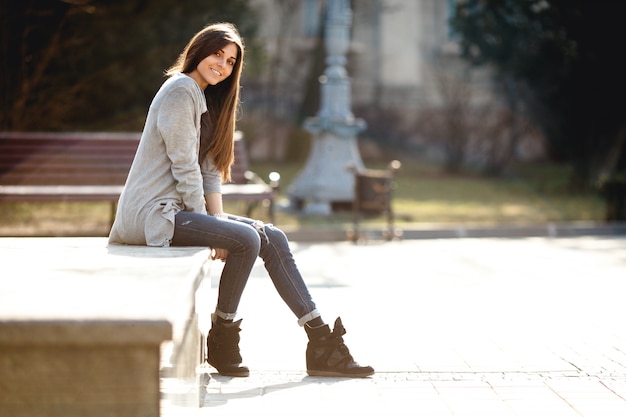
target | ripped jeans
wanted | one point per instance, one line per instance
(246, 239)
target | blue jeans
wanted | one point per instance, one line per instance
(246, 239)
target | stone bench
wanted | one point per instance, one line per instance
(84, 327)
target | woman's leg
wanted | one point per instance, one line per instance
(245, 239)
(326, 353)
(242, 242)
(282, 269)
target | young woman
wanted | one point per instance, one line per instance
(173, 197)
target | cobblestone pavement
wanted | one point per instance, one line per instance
(453, 327)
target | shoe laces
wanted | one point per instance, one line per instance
(336, 336)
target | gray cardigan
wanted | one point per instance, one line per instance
(165, 176)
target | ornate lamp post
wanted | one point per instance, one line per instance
(324, 180)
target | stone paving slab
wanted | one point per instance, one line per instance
(454, 327)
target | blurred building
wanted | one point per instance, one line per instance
(398, 46)
(407, 75)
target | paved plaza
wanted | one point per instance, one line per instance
(454, 327)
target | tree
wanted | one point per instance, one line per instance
(564, 58)
(96, 64)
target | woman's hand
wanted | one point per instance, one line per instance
(220, 254)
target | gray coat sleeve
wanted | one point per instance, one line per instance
(212, 179)
(177, 126)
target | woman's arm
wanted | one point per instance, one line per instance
(177, 125)
(212, 184)
(214, 207)
(214, 203)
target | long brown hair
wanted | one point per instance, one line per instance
(217, 138)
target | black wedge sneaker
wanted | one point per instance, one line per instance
(223, 348)
(327, 354)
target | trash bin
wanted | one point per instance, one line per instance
(372, 197)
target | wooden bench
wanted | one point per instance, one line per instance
(91, 329)
(36, 166)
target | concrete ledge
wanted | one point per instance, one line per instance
(83, 333)
(83, 325)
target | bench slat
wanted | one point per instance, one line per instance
(60, 192)
(247, 191)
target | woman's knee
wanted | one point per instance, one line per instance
(275, 234)
(250, 239)
(275, 238)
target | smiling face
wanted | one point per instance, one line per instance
(216, 67)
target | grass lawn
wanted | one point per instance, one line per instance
(534, 194)
(423, 194)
